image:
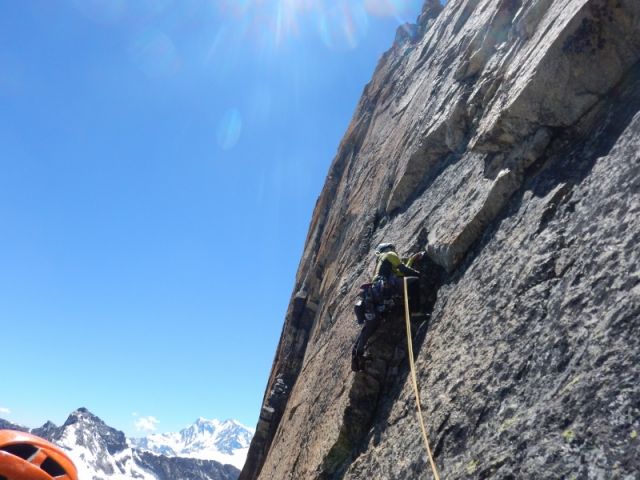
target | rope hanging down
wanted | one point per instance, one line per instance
(414, 380)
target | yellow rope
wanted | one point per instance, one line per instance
(414, 380)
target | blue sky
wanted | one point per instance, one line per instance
(159, 163)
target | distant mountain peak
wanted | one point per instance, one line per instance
(209, 439)
(87, 427)
(82, 413)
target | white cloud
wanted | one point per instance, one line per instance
(146, 424)
(4, 411)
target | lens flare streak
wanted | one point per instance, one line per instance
(339, 23)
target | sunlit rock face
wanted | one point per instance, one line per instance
(506, 134)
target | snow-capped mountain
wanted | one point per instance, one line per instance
(225, 442)
(103, 453)
(97, 449)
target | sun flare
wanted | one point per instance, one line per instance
(338, 23)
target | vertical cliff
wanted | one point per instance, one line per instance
(506, 134)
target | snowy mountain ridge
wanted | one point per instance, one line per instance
(101, 452)
(98, 449)
(226, 442)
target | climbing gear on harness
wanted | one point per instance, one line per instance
(358, 309)
(414, 381)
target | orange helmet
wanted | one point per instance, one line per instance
(26, 457)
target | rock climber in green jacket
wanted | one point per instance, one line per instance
(391, 267)
(374, 298)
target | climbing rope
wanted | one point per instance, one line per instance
(414, 380)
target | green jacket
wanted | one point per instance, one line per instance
(390, 263)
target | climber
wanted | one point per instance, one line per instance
(26, 457)
(380, 296)
(391, 268)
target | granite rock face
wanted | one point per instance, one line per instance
(506, 135)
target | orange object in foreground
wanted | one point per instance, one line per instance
(27, 457)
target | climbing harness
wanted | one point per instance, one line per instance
(414, 380)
